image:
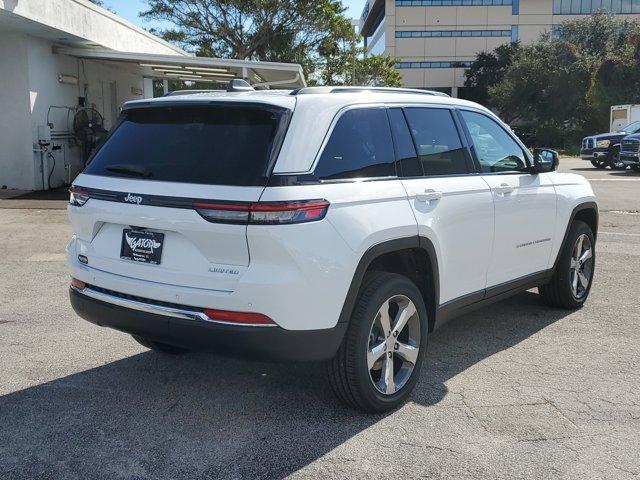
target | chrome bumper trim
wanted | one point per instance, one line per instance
(180, 313)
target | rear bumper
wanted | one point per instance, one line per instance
(264, 342)
(630, 158)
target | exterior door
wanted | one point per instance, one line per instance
(453, 207)
(525, 204)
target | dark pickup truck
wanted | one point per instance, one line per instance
(630, 151)
(603, 150)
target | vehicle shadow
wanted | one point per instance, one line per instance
(624, 173)
(613, 173)
(204, 416)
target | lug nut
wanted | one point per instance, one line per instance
(396, 346)
(390, 354)
(395, 334)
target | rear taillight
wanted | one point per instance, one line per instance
(263, 213)
(78, 197)
(241, 318)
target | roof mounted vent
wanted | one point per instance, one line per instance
(239, 85)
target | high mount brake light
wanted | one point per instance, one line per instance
(78, 197)
(263, 213)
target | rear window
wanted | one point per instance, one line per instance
(225, 145)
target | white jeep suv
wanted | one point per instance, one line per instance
(340, 225)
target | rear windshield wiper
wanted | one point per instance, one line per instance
(133, 170)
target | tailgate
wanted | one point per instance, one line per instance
(194, 253)
(156, 166)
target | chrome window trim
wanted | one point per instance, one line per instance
(342, 111)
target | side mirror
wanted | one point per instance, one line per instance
(545, 160)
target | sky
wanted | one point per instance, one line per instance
(129, 9)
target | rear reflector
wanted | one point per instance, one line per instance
(263, 213)
(242, 318)
(79, 284)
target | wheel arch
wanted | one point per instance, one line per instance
(586, 212)
(413, 257)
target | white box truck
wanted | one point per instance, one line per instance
(623, 115)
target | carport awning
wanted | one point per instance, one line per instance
(200, 69)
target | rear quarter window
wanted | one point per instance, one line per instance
(360, 146)
(215, 145)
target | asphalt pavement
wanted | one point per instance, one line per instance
(513, 391)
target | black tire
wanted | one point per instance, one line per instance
(558, 293)
(613, 159)
(348, 373)
(636, 168)
(599, 164)
(159, 347)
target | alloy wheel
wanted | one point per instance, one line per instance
(394, 344)
(581, 267)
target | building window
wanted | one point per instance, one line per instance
(376, 43)
(446, 64)
(377, 48)
(581, 7)
(454, 33)
(514, 33)
(455, 3)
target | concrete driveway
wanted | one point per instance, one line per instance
(513, 391)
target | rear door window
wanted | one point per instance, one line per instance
(214, 145)
(360, 146)
(437, 141)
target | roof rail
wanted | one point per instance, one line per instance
(176, 93)
(317, 90)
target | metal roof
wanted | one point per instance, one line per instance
(200, 69)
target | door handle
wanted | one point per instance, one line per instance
(429, 195)
(504, 189)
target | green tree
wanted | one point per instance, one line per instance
(100, 3)
(377, 71)
(314, 33)
(269, 30)
(342, 61)
(487, 70)
(598, 35)
(545, 80)
(616, 79)
(564, 84)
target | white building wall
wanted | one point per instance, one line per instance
(45, 91)
(15, 126)
(103, 85)
(534, 18)
(83, 19)
(29, 84)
